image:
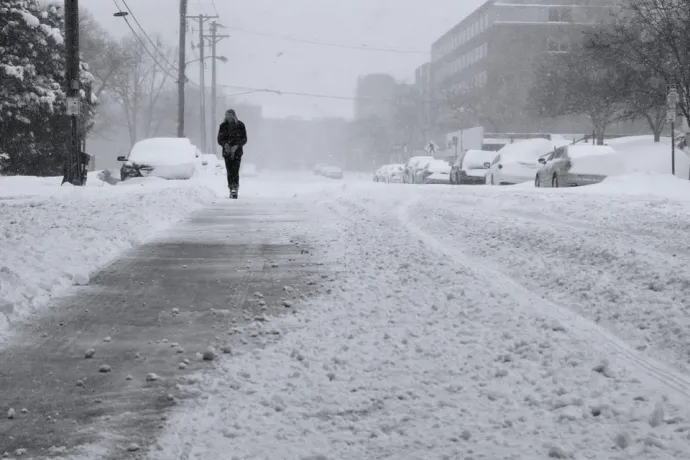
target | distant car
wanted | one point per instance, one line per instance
(163, 157)
(517, 163)
(410, 167)
(394, 174)
(436, 172)
(380, 173)
(318, 169)
(249, 170)
(332, 172)
(473, 167)
(418, 170)
(577, 165)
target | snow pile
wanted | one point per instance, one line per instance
(651, 184)
(423, 359)
(54, 237)
(643, 155)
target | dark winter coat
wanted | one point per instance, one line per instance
(233, 134)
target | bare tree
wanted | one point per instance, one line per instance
(654, 34)
(581, 83)
(141, 89)
(103, 54)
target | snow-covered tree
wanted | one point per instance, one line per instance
(32, 97)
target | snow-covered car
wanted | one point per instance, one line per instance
(163, 157)
(418, 169)
(394, 174)
(332, 172)
(380, 173)
(436, 172)
(410, 167)
(248, 170)
(472, 167)
(576, 165)
(319, 168)
(518, 162)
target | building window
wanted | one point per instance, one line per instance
(560, 14)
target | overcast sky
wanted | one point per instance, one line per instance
(263, 62)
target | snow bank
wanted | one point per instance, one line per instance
(652, 184)
(53, 237)
(642, 155)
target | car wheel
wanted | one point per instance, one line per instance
(537, 181)
(554, 181)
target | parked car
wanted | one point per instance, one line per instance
(436, 172)
(518, 162)
(394, 175)
(164, 157)
(455, 165)
(318, 169)
(418, 170)
(576, 165)
(332, 172)
(473, 167)
(410, 166)
(380, 173)
(249, 170)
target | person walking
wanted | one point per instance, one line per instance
(232, 137)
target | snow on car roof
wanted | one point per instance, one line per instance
(527, 149)
(575, 151)
(438, 164)
(475, 159)
(163, 150)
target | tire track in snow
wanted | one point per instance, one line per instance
(656, 373)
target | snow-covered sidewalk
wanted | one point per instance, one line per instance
(54, 237)
(411, 352)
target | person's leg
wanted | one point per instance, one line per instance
(229, 165)
(235, 179)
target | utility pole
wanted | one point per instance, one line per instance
(672, 107)
(214, 39)
(181, 68)
(202, 101)
(74, 169)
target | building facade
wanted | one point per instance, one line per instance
(490, 57)
(373, 96)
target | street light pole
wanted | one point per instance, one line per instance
(181, 68)
(74, 169)
(214, 39)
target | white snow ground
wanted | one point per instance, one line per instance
(462, 324)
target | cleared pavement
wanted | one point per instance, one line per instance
(145, 313)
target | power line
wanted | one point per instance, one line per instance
(250, 90)
(143, 45)
(329, 44)
(213, 3)
(173, 67)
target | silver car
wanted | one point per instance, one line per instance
(576, 165)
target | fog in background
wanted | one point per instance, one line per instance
(257, 58)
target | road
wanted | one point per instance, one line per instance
(451, 331)
(192, 288)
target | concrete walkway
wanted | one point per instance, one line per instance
(215, 261)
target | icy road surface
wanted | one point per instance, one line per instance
(469, 323)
